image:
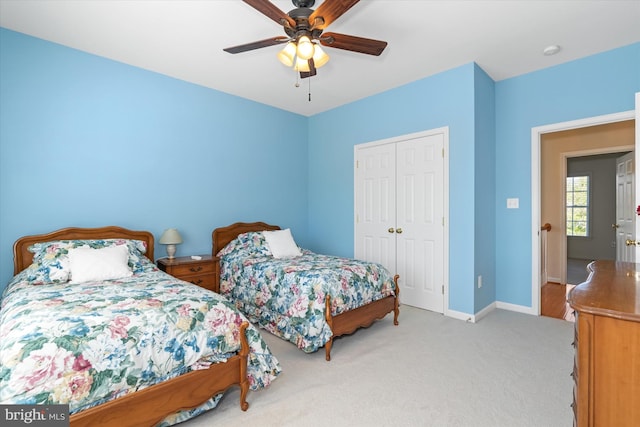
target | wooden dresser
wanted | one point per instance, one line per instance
(607, 346)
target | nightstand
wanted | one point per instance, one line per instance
(197, 271)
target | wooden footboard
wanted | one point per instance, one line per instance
(348, 322)
(151, 405)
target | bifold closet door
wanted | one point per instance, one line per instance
(399, 215)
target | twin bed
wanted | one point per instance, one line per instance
(88, 320)
(306, 298)
(138, 350)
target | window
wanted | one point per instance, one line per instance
(578, 206)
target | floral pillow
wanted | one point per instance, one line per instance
(51, 259)
(53, 269)
(248, 244)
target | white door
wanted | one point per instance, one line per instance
(637, 154)
(375, 205)
(625, 209)
(419, 223)
(399, 214)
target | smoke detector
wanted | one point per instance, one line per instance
(551, 50)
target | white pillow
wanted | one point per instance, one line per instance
(281, 243)
(108, 263)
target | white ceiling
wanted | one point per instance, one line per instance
(184, 39)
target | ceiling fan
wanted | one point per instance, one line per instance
(304, 28)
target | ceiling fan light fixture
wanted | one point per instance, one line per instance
(287, 55)
(319, 57)
(304, 28)
(305, 48)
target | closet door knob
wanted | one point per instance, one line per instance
(399, 230)
(391, 230)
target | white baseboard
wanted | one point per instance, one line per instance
(460, 315)
(473, 318)
(515, 307)
(488, 309)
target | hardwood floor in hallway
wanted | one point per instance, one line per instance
(554, 303)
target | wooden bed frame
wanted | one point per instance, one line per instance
(151, 405)
(342, 324)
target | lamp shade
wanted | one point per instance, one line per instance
(170, 237)
(302, 65)
(319, 57)
(305, 48)
(287, 54)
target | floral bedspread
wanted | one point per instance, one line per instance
(287, 296)
(84, 344)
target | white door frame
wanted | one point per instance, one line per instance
(445, 244)
(536, 139)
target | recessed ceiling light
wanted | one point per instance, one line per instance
(551, 50)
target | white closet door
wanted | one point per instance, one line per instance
(375, 205)
(419, 221)
(399, 214)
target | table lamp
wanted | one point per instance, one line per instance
(171, 238)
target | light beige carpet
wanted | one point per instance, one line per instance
(509, 369)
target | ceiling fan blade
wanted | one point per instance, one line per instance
(353, 43)
(329, 11)
(257, 45)
(312, 70)
(271, 11)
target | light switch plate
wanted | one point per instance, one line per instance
(513, 203)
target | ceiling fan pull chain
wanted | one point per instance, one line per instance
(309, 89)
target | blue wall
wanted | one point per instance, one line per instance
(596, 85)
(490, 130)
(485, 184)
(85, 141)
(446, 99)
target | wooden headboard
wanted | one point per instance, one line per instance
(223, 235)
(22, 258)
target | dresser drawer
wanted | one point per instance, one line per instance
(202, 281)
(184, 270)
